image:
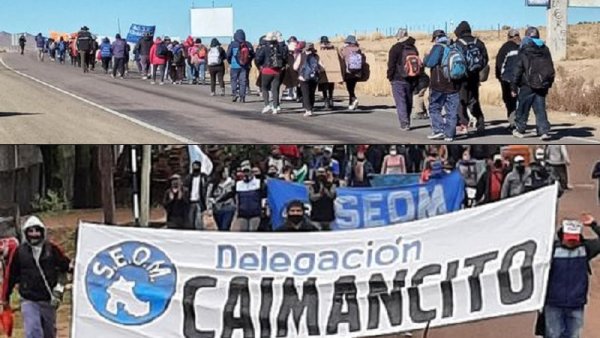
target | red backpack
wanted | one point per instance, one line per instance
(412, 64)
(244, 57)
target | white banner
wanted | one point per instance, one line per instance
(470, 265)
(212, 22)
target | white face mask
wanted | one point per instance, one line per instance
(393, 152)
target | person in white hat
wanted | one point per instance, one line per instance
(517, 179)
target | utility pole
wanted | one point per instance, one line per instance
(145, 186)
(105, 162)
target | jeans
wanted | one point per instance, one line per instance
(40, 54)
(224, 217)
(156, 69)
(199, 71)
(247, 224)
(119, 66)
(469, 99)
(509, 101)
(403, 97)
(145, 61)
(528, 99)
(239, 82)
(39, 319)
(327, 90)
(308, 94)
(273, 83)
(196, 220)
(563, 322)
(217, 73)
(437, 102)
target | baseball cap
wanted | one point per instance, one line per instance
(572, 230)
(246, 166)
(437, 33)
(328, 149)
(519, 159)
(513, 32)
(497, 157)
(540, 153)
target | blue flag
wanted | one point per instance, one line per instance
(136, 32)
(394, 180)
(279, 194)
(358, 208)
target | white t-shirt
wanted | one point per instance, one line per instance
(195, 193)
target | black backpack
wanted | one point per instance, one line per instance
(274, 56)
(84, 41)
(540, 70)
(162, 50)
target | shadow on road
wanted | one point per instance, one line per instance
(9, 114)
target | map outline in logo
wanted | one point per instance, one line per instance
(130, 283)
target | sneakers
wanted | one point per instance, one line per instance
(213, 94)
(242, 100)
(449, 139)
(161, 84)
(436, 136)
(353, 105)
(518, 134)
(152, 83)
(480, 125)
(276, 110)
(308, 113)
(405, 128)
(267, 109)
(235, 98)
(223, 92)
(462, 131)
(545, 137)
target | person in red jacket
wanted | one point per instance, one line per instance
(158, 60)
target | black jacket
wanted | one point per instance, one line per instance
(463, 32)
(203, 189)
(506, 48)
(143, 46)
(24, 271)
(526, 54)
(85, 41)
(264, 51)
(395, 59)
(306, 226)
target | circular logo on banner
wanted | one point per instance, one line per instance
(131, 283)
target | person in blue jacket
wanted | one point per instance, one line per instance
(568, 282)
(106, 54)
(40, 44)
(240, 55)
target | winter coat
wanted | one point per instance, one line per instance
(395, 59)
(532, 48)
(118, 48)
(508, 48)
(439, 82)
(40, 41)
(234, 49)
(144, 45)
(465, 36)
(515, 183)
(568, 282)
(345, 53)
(154, 59)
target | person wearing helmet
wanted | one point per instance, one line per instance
(516, 180)
(38, 266)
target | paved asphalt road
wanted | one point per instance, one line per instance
(189, 112)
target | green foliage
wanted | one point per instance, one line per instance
(52, 202)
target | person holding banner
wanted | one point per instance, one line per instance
(296, 219)
(248, 195)
(359, 169)
(196, 185)
(393, 163)
(38, 266)
(568, 282)
(143, 49)
(176, 204)
(515, 182)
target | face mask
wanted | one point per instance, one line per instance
(393, 152)
(520, 169)
(498, 164)
(295, 219)
(196, 171)
(360, 159)
(247, 178)
(272, 175)
(34, 240)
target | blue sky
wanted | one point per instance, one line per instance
(308, 19)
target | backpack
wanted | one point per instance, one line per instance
(202, 52)
(244, 54)
(275, 57)
(310, 69)
(507, 71)
(355, 63)
(178, 57)
(496, 180)
(540, 72)
(62, 46)
(161, 50)
(454, 65)
(214, 57)
(473, 55)
(412, 66)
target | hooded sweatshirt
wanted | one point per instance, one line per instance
(154, 59)
(39, 41)
(530, 48)
(118, 48)
(214, 43)
(439, 82)
(144, 45)
(515, 183)
(465, 36)
(106, 48)
(24, 270)
(233, 52)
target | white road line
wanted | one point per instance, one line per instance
(158, 130)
